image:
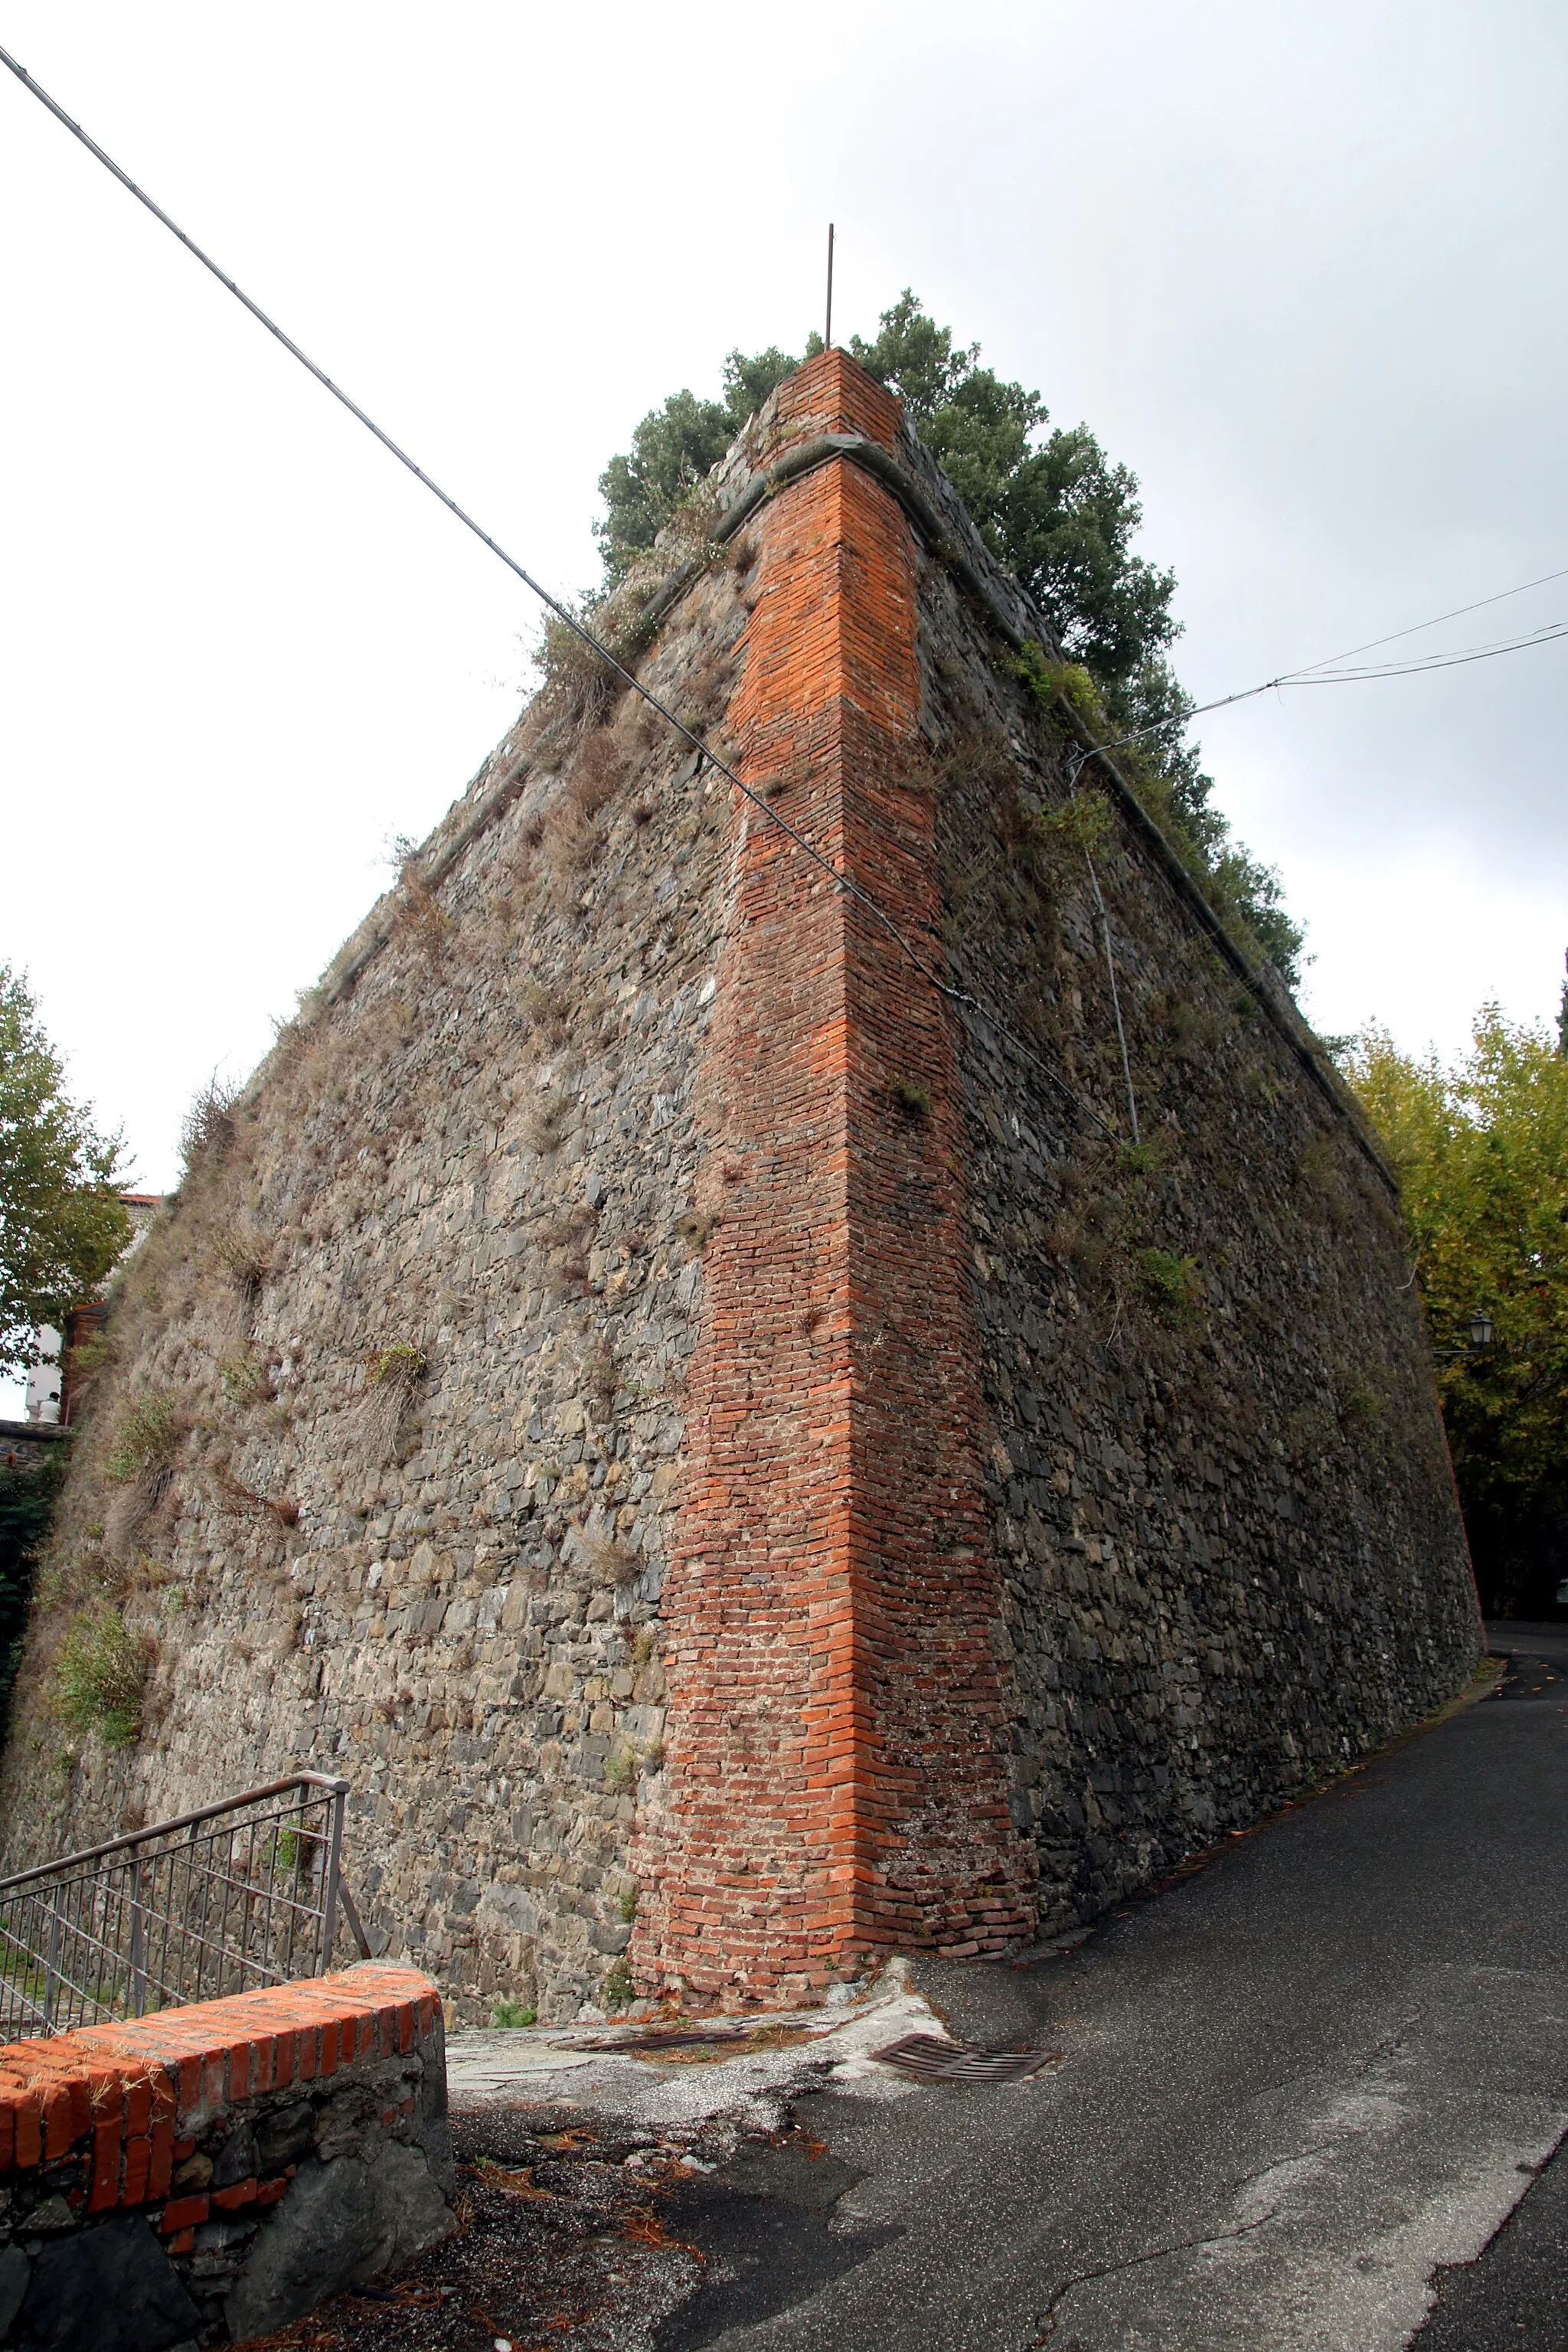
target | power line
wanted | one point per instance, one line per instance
(1318, 674)
(843, 882)
(1457, 613)
(1548, 633)
(1361, 673)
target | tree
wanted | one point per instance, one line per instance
(62, 1225)
(1481, 1154)
(1052, 507)
(26, 1506)
(672, 449)
(1057, 512)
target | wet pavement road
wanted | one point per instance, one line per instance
(1300, 2091)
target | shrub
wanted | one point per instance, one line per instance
(542, 1124)
(617, 1991)
(542, 1009)
(391, 1374)
(246, 1381)
(600, 770)
(1359, 1404)
(100, 1674)
(148, 1431)
(209, 1132)
(244, 1257)
(578, 685)
(26, 1507)
(1046, 679)
(912, 1100)
(611, 1564)
(1082, 824)
(1144, 1159)
(1170, 1284)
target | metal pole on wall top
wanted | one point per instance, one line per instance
(828, 330)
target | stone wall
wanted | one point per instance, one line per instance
(215, 2171)
(27, 1447)
(417, 1324)
(1217, 1478)
(697, 1406)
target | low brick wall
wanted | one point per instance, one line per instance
(208, 2174)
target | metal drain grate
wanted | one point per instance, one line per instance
(930, 2060)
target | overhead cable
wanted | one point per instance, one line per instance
(1318, 674)
(1358, 673)
(562, 612)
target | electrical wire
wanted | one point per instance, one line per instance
(562, 612)
(1548, 633)
(1324, 673)
(1361, 673)
(1457, 613)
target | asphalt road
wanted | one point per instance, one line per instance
(1301, 2093)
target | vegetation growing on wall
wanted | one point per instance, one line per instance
(1481, 1147)
(101, 1675)
(1052, 507)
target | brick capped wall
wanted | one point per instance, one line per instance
(837, 1761)
(216, 2129)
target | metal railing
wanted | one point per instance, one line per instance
(241, 1893)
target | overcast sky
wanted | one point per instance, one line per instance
(1300, 267)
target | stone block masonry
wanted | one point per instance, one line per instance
(729, 1449)
(215, 2171)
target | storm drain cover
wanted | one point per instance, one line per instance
(930, 2060)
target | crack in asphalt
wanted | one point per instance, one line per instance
(1179, 2245)
(1155, 2253)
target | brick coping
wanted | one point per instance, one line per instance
(143, 2090)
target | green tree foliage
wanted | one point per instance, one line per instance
(1481, 1154)
(1055, 511)
(27, 1506)
(61, 1224)
(1052, 507)
(672, 449)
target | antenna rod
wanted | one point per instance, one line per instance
(828, 331)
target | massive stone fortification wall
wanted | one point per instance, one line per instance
(722, 1439)
(397, 1382)
(1216, 1476)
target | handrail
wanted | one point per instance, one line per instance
(247, 1891)
(334, 1786)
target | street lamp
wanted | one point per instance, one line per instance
(1483, 1331)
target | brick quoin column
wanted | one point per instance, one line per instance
(838, 1725)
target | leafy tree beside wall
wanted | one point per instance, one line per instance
(1050, 505)
(62, 1225)
(26, 1507)
(1480, 1149)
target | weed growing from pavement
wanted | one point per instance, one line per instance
(513, 2012)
